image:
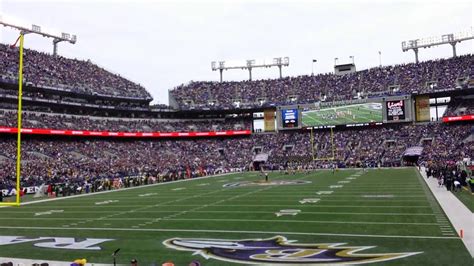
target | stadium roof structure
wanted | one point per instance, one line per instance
(36, 29)
(452, 38)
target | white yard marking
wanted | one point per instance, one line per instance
(336, 186)
(327, 192)
(147, 194)
(378, 196)
(106, 202)
(310, 200)
(178, 188)
(343, 182)
(48, 212)
(203, 184)
(351, 178)
(226, 231)
(291, 212)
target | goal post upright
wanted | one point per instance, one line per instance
(333, 149)
(57, 38)
(20, 96)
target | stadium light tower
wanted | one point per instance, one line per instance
(35, 29)
(452, 38)
(251, 64)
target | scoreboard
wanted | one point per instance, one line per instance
(395, 110)
(398, 109)
(289, 118)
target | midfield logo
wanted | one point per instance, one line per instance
(280, 251)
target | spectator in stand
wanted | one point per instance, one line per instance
(101, 163)
(44, 70)
(425, 76)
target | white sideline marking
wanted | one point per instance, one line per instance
(123, 189)
(17, 261)
(224, 231)
(204, 211)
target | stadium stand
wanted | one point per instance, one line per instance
(73, 160)
(62, 121)
(428, 76)
(95, 100)
(55, 72)
(460, 106)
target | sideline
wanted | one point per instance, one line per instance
(122, 189)
(50, 262)
(458, 214)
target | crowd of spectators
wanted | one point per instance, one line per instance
(382, 146)
(426, 76)
(45, 70)
(74, 122)
(460, 106)
(47, 160)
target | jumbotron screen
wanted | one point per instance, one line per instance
(289, 118)
(343, 115)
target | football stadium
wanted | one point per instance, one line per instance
(248, 162)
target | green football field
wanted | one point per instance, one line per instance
(381, 216)
(350, 114)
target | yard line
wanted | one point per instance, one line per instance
(269, 212)
(318, 206)
(146, 207)
(207, 205)
(224, 231)
(220, 220)
(230, 205)
(297, 221)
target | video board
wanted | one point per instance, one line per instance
(395, 110)
(343, 115)
(289, 118)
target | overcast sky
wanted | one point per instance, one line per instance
(161, 44)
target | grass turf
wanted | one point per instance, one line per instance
(466, 197)
(372, 210)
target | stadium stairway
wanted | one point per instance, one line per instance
(459, 215)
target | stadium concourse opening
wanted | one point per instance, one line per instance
(304, 169)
